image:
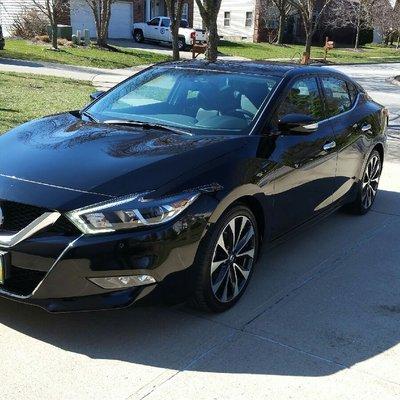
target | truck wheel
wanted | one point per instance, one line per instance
(138, 36)
(181, 44)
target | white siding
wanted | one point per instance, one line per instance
(237, 29)
(9, 9)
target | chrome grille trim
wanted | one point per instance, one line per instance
(45, 220)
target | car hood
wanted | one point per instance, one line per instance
(71, 158)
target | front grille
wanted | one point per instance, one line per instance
(17, 216)
(63, 226)
(22, 281)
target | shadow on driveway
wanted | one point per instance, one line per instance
(331, 292)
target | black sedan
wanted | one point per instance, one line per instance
(168, 184)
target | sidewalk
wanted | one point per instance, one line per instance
(102, 79)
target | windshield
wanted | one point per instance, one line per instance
(197, 101)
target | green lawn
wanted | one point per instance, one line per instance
(265, 51)
(23, 97)
(89, 57)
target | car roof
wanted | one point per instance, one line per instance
(253, 67)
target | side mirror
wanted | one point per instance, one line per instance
(148, 22)
(96, 95)
(297, 124)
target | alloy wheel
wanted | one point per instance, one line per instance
(233, 259)
(370, 181)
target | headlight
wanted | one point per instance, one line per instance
(130, 212)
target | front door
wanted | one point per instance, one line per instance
(153, 28)
(305, 164)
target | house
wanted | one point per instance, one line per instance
(123, 14)
(236, 20)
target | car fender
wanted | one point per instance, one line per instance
(248, 190)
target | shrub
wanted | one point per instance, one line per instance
(42, 38)
(29, 24)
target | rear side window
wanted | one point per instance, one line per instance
(353, 91)
(337, 96)
(303, 98)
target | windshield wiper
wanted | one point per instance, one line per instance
(146, 125)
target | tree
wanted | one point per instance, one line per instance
(383, 19)
(350, 13)
(101, 10)
(284, 8)
(175, 8)
(52, 10)
(209, 10)
(310, 16)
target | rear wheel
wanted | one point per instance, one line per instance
(138, 36)
(181, 44)
(368, 187)
(225, 260)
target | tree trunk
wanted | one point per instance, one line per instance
(281, 31)
(175, 35)
(307, 47)
(212, 44)
(398, 41)
(54, 37)
(357, 41)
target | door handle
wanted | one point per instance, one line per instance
(329, 146)
(366, 128)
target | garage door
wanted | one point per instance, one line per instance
(120, 24)
(82, 17)
(121, 20)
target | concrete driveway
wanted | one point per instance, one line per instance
(320, 320)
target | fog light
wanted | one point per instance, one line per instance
(121, 282)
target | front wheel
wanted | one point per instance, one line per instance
(138, 36)
(368, 186)
(225, 260)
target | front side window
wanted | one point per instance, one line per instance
(303, 98)
(337, 97)
(227, 18)
(198, 101)
(154, 22)
(249, 19)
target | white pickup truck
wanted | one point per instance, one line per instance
(158, 30)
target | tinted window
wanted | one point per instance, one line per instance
(165, 22)
(353, 91)
(337, 96)
(154, 22)
(303, 98)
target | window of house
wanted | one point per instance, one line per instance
(303, 98)
(337, 96)
(249, 18)
(185, 11)
(227, 18)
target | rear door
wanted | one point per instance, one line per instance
(350, 121)
(165, 30)
(304, 175)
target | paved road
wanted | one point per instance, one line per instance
(320, 320)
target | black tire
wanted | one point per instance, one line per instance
(181, 44)
(138, 36)
(370, 177)
(204, 297)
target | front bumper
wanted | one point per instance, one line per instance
(53, 270)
